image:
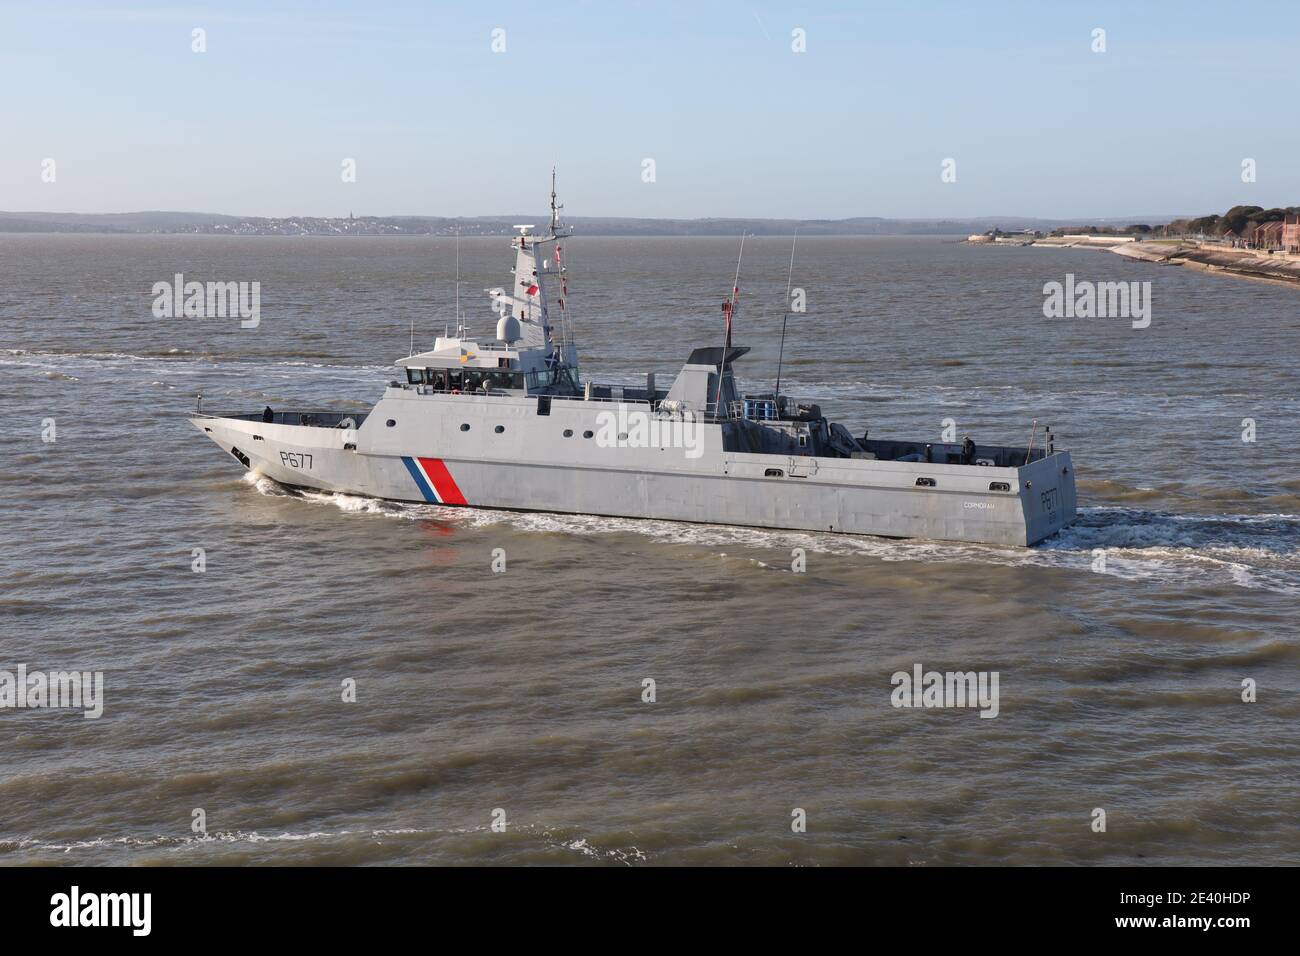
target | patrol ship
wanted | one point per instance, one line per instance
(512, 424)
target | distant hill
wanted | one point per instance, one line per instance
(210, 224)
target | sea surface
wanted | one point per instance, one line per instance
(518, 696)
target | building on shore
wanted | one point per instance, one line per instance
(1268, 235)
(1291, 233)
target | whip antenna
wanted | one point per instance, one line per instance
(729, 309)
(785, 314)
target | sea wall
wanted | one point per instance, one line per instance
(1245, 263)
(1241, 262)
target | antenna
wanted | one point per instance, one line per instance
(730, 310)
(460, 328)
(555, 210)
(784, 316)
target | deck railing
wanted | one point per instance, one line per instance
(312, 417)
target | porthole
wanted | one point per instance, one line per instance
(999, 486)
(622, 436)
(391, 422)
(568, 433)
(499, 429)
(925, 482)
(464, 428)
(587, 434)
(774, 473)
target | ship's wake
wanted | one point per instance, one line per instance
(1248, 551)
(555, 841)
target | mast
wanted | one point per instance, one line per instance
(555, 210)
(555, 222)
(567, 338)
(539, 288)
(729, 309)
(785, 314)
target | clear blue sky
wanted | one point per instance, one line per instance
(737, 123)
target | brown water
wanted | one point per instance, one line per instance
(1119, 689)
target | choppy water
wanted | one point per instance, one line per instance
(1119, 688)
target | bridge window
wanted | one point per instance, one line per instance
(415, 376)
(504, 380)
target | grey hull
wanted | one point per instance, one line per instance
(500, 452)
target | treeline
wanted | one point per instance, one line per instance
(1242, 220)
(1139, 229)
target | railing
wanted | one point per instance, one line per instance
(312, 417)
(434, 390)
(708, 413)
(600, 398)
(755, 409)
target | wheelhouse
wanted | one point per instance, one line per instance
(466, 380)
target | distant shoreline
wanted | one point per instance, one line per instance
(187, 223)
(954, 237)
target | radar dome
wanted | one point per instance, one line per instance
(508, 329)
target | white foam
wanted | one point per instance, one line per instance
(628, 856)
(1251, 551)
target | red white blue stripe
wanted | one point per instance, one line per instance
(435, 482)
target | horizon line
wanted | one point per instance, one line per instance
(516, 216)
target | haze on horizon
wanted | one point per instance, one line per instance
(736, 122)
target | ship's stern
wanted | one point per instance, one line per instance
(1047, 496)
